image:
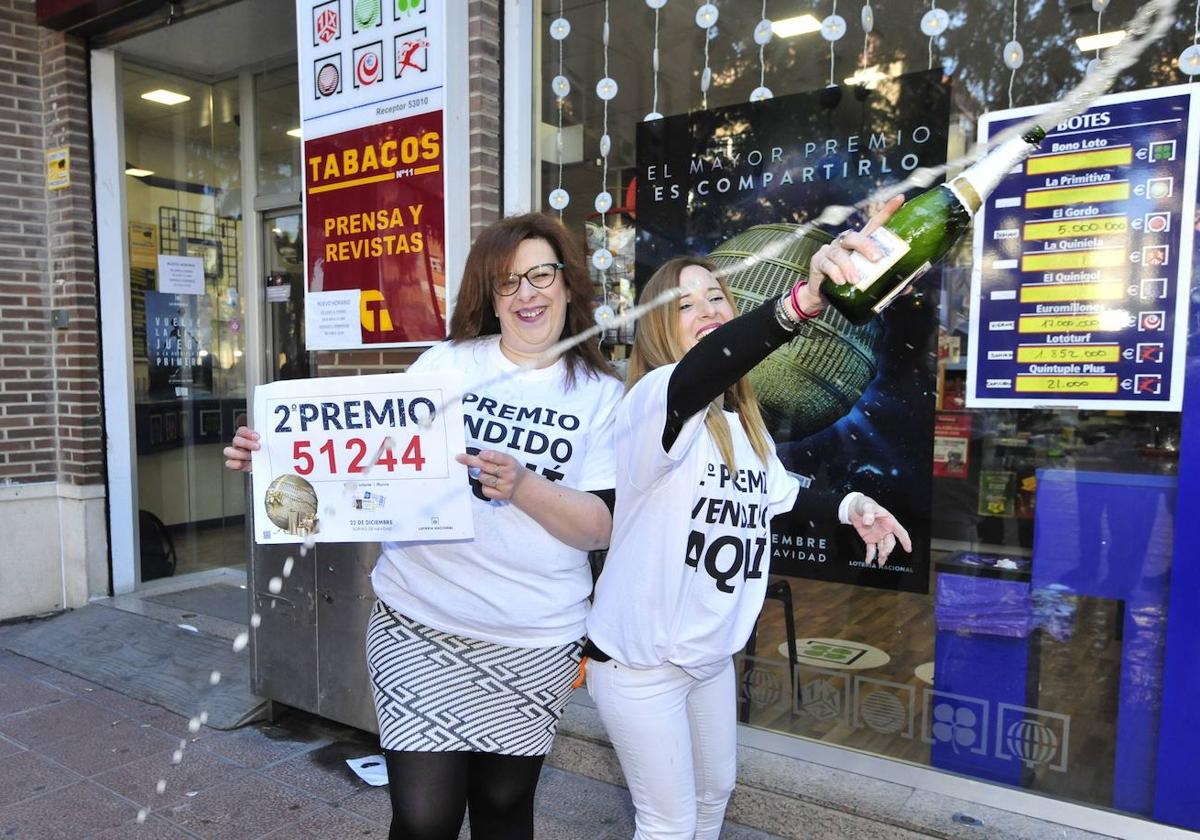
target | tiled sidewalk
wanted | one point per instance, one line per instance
(78, 761)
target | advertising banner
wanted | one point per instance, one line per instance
(372, 93)
(951, 445)
(178, 336)
(1083, 258)
(850, 408)
(375, 227)
(360, 459)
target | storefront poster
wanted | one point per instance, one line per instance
(951, 442)
(372, 90)
(375, 225)
(1083, 260)
(997, 493)
(706, 177)
(360, 459)
(178, 344)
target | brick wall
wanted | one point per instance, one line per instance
(71, 263)
(486, 166)
(49, 379)
(484, 30)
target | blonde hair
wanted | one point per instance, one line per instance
(657, 343)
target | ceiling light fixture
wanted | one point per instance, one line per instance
(295, 132)
(793, 26)
(139, 173)
(866, 76)
(166, 97)
(1100, 41)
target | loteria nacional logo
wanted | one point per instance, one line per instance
(368, 64)
(412, 52)
(327, 75)
(327, 22)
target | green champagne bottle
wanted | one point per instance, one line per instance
(923, 230)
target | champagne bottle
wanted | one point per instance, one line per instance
(923, 230)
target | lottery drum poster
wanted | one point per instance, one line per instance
(849, 410)
(373, 121)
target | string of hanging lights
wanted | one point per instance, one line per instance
(1014, 55)
(560, 28)
(706, 19)
(762, 37)
(602, 258)
(654, 114)
(933, 23)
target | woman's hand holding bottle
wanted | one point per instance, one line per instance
(832, 263)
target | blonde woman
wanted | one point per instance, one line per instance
(698, 482)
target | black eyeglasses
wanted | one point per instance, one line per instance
(540, 277)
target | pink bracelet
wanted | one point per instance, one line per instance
(795, 298)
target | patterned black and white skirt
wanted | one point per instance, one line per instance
(436, 692)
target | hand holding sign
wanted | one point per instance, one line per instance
(497, 472)
(241, 450)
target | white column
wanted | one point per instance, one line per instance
(116, 324)
(522, 104)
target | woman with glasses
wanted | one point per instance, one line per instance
(473, 646)
(698, 482)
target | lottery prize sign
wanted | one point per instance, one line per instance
(360, 459)
(1083, 260)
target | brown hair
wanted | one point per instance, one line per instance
(491, 257)
(657, 343)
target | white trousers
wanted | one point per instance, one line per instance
(676, 737)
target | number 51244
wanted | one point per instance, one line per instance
(352, 456)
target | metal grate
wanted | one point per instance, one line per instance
(213, 238)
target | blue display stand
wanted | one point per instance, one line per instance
(1176, 792)
(1109, 535)
(981, 660)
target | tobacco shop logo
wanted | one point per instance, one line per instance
(327, 75)
(373, 312)
(368, 64)
(412, 52)
(327, 23)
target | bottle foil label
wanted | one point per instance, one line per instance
(892, 247)
(900, 287)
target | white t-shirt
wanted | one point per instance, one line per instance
(686, 572)
(513, 584)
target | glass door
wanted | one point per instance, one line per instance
(183, 203)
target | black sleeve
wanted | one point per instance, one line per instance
(724, 356)
(609, 497)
